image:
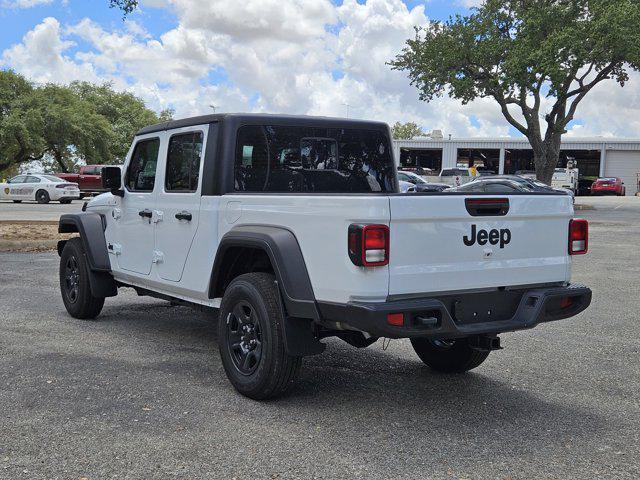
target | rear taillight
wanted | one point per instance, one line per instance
(578, 237)
(368, 245)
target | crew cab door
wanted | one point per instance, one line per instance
(135, 215)
(178, 201)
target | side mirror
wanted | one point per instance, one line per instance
(112, 180)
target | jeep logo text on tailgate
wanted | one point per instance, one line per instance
(502, 236)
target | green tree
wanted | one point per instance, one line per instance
(537, 59)
(20, 140)
(406, 131)
(69, 127)
(125, 112)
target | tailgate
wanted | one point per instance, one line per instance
(437, 245)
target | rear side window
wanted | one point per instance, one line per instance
(311, 159)
(31, 179)
(141, 174)
(183, 162)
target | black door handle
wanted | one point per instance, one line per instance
(184, 216)
(145, 213)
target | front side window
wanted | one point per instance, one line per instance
(183, 162)
(18, 179)
(141, 174)
(313, 159)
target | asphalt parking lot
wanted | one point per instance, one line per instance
(31, 211)
(141, 393)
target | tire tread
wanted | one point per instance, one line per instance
(284, 368)
(88, 307)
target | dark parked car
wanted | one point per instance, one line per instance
(504, 184)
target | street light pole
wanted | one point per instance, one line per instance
(347, 105)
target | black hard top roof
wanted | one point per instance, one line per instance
(264, 119)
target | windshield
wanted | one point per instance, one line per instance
(313, 159)
(415, 178)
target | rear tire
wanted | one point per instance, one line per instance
(42, 196)
(449, 356)
(74, 282)
(65, 201)
(17, 201)
(251, 338)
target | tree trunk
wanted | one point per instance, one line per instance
(546, 155)
(58, 157)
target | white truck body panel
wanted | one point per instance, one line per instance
(320, 224)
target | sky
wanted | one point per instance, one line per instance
(315, 57)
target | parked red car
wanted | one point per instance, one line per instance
(608, 186)
(89, 179)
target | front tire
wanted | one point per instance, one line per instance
(251, 338)
(42, 196)
(449, 356)
(74, 282)
(17, 201)
(65, 201)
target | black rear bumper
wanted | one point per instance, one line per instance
(463, 315)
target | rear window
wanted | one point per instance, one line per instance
(310, 159)
(455, 172)
(53, 179)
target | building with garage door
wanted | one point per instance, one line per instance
(595, 157)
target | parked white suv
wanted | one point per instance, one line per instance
(294, 230)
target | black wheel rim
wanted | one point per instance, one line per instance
(244, 338)
(42, 197)
(72, 279)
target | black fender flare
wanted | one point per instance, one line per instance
(91, 228)
(283, 250)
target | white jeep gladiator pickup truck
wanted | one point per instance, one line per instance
(294, 230)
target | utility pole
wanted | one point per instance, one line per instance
(347, 105)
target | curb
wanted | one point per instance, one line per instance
(29, 222)
(28, 245)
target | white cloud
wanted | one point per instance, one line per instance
(470, 3)
(41, 56)
(25, 3)
(292, 56)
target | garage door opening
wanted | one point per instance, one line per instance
(518, 162)
(424, 161)
(588, 162)
(485, 160)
